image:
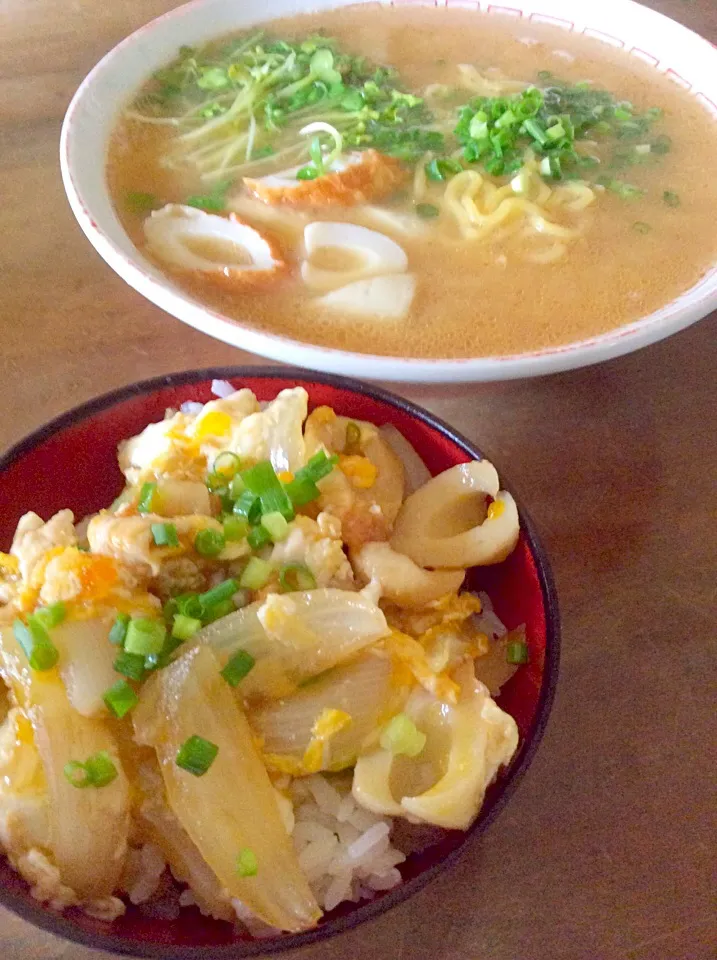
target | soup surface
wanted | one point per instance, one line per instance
(549, 187)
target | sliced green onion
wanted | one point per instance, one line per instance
(189, 605)
(236, 487)
(302, 491)
(402, 736)
(77, 774)
(661, 145)
(318, 467)
(219, 594)
(262, 481)
(100, 769)
(147, 498)
(427, 210)
(442, 168)
(276, 525)
(196, 755)
(259, 537)
(671, 198)
(41, 652)
(353, 437)
(536, 131)
(209, 543)
(120, 699)
(247, 864)
(184, 628)
(238, 667)
(226, 463)
(138, 202)
(256, 575)
(165, 535)
(296, 576)
(52, 615)
(234, 528)
(309, 172)
(219, 611)
(248, 507)
(145, 636)
(517, 652)
(556, 132)
(119, 629)
(130, 665)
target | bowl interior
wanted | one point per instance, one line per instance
(669, 47)
(72, 463)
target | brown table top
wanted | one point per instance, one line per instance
(605, 853)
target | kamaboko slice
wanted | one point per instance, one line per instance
(341, 253)
(354, 179)
(387, 298)
(232, 807)
(221, 249)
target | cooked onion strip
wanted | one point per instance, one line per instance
(232, 807)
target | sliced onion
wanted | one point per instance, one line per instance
(88, 828)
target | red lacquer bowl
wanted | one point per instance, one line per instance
(72, 462)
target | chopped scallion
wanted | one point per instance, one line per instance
(52, 615)
(147, 498)
(247, 864)
(427, 210)
(119, 629)
(144, 636)
(248, 507)
(276, 525)
(130, 665)
(262, 481)
(517, 652)
(209, 543)
(100, 769)
(184, 628)
(671, 198)
(76, 774)
(296, 576)
(226, 464)
(41, 652)
(258, 537)
(219, 594)
(165, 535)
(238, 667)
(235, 528)
(402, 736)
(120, 698)
(196, 755)
(256, 575)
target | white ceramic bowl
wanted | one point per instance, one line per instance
(672, 49)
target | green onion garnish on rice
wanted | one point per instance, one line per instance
(120, 699)
(238, 667)
(196, 755)
(41, 652)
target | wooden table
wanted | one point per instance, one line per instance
(605, 853)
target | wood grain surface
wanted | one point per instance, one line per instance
(607, 851)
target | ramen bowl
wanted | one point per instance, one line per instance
(80, 446)
(669, 48)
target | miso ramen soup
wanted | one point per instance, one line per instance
(419, 182)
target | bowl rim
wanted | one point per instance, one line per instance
(62, 926)
(140, 274)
